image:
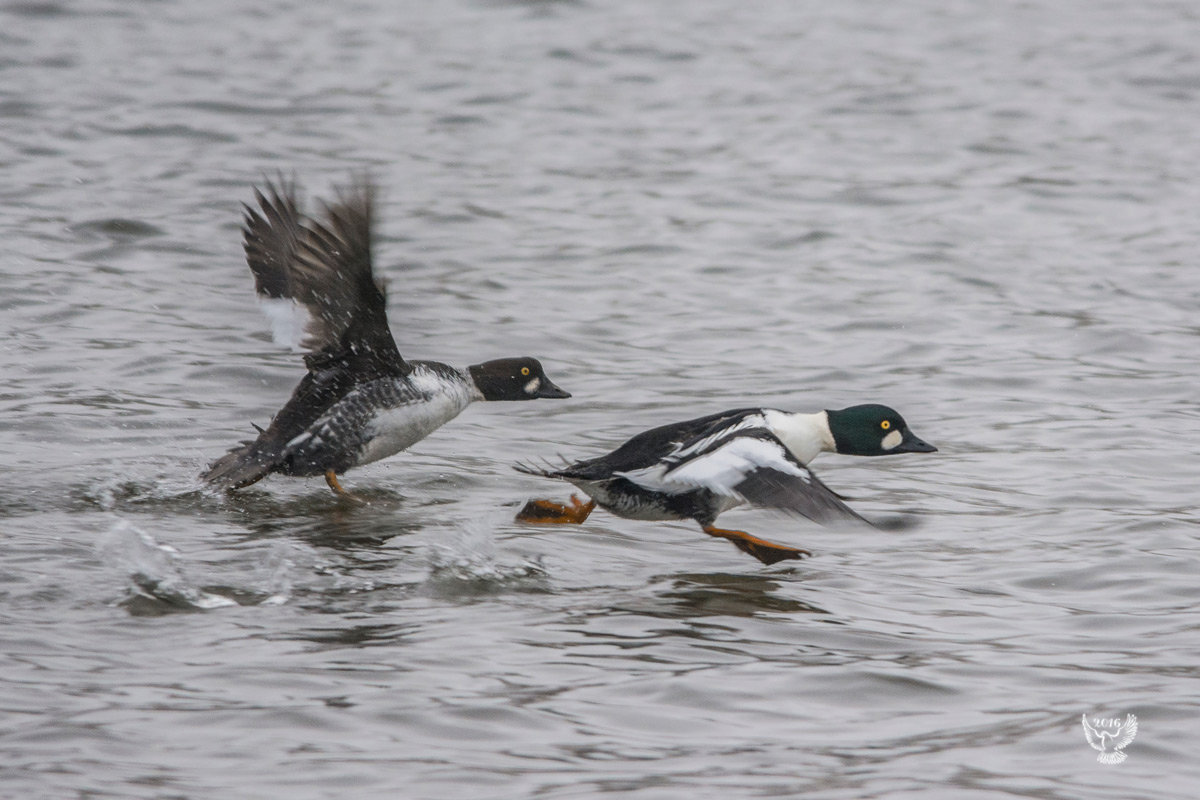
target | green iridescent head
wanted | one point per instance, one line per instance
(873, 430)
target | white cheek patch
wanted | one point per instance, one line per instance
(891, 441)
(533, 386)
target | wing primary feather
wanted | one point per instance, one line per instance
(324, 267)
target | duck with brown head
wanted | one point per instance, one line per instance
(360, 400)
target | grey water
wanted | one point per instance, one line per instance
(984, 215)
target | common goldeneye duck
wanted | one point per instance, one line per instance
(360, 401)
(700, 468)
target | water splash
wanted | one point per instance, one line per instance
(117, 492)
(155, 571)
(468, 566)
(275, 575)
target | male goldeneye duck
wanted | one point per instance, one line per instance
(700, 468)
(360, 401)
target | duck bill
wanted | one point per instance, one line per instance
(549, 391)
(912, 444)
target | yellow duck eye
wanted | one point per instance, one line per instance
(524, 370)
(887, 423)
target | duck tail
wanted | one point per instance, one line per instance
(546, 471)
(241, 466)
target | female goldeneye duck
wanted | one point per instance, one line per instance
(360, 401)
(700, 468)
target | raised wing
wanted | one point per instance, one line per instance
(323, 270)
(271, 238)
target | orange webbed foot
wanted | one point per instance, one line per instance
(548, 512)
(764, 551)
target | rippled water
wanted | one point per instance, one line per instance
(985, 216)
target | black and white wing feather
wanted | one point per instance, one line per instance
(324, 269)
(749, 464)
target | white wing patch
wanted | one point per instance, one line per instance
(289, 321)
(720, 470)
(682, 451)
(299, 440)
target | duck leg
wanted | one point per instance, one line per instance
(764, 551)
(548, 512)
(331, 479)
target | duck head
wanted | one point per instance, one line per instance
(514, 379)
(873, 430)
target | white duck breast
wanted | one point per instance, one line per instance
(393, 429)
(383, 417)
(806, 435)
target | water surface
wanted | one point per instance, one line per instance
(985, 217)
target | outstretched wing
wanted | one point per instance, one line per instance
(322, 268)
(754, 466)
(1127, 732)
(1093, 735)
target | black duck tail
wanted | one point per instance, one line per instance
(240, 467)
(546, 471)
